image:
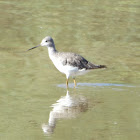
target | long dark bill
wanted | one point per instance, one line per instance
(33, 47)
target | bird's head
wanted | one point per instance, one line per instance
(46, 42)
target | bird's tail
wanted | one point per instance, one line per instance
(92, 66)
(101, 66)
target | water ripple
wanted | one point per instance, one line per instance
(95, 85)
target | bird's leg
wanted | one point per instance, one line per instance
(67, 83)
(74, 82)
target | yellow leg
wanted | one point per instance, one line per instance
(67, 83)
(74, 82)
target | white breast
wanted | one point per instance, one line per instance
(66, 69)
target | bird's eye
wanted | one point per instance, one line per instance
(46, 41)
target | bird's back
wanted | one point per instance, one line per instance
(75, 60)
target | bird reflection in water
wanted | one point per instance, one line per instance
(66, 107)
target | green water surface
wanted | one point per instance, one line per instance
(34, 102)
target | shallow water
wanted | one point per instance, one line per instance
(34, 102)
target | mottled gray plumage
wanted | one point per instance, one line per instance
(73, 59)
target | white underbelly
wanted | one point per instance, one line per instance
(67, 69)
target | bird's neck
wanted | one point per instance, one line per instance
(52, 51)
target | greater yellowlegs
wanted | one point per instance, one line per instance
(68, 63)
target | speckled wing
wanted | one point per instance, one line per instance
(76, 60)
